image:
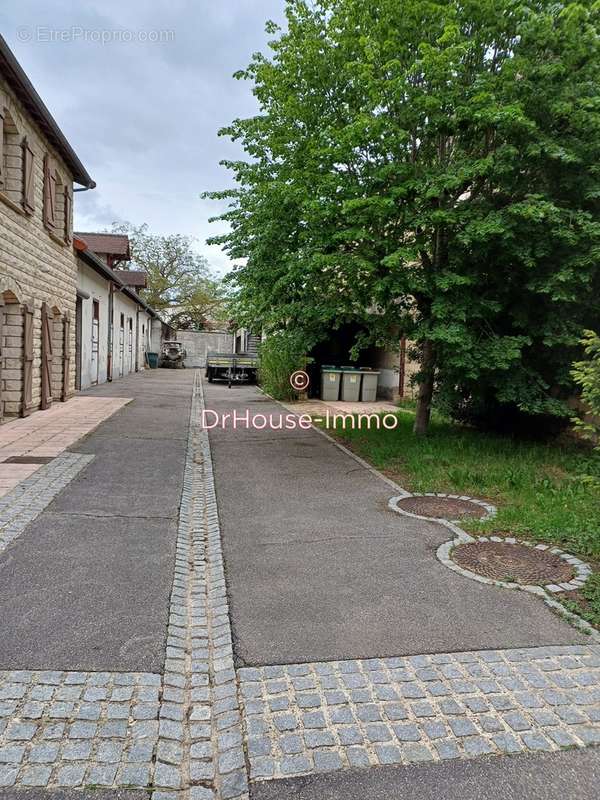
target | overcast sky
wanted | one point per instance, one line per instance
(143, 115)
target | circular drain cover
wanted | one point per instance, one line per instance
(516, 563)
(441, 507)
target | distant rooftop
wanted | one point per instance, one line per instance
(112, 244)
(133, 277)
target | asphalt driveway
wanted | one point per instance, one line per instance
(87, 585)
(319, 569)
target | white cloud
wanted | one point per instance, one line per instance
(143, 117)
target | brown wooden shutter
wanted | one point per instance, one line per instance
(27, 360)
(68, 207)
(66, 357)
(1, 143)
(28, 199)
(1, 354)
(46, 359)
(49, 193)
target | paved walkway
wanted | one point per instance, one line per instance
(44, 435)
(320, 569)
(264, 627)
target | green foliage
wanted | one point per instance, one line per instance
(429, 166)
(281, 354)
(587, 376)
(590, 609)
(180, 284)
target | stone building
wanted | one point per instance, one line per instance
(38, 266)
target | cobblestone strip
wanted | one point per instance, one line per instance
(199, 754)
(29, 498)
(71, 729)
(231, 768)
(317, 717)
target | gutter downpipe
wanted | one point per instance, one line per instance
(111, 313)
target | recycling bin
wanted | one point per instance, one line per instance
(330, 382)
(368, 390)
(350, 384)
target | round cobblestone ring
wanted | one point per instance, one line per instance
(507, 561)
(436, 505)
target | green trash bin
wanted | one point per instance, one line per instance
(368, 391)
(330, 382)
(152, 360)
(350, 384)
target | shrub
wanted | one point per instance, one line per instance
(586, 374)
(281, 354)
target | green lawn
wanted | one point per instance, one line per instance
(548, 492)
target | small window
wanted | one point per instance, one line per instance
(130, 324)
(96, 309)
(122, 320)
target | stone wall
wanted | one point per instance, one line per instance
(198, 343)
(35, 265)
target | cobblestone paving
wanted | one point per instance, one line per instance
(200, 754)
(30, 497)
(61, 729)
(303, 718)
(179, 735)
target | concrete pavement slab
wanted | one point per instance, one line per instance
(318, 568)
(87, 592)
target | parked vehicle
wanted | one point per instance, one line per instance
(231, 367)
(172, 355)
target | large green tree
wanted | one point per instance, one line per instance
(180, 283)
(430, 168)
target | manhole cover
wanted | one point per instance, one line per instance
(441, 507)
(516, 563)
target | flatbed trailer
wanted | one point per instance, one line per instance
(231, 367)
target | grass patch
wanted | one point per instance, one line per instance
(588, 605)
(549, 492)
(407, 403)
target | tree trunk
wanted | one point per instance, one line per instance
(425, 395)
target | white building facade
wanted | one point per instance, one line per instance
(114, 325)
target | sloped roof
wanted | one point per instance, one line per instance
(84, 252)
(133, 277)
(114, 244)
(18, 80)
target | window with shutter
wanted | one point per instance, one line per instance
(28, 178)
(49, 194)
(11, 157)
